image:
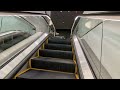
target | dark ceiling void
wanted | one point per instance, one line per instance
(64, 19)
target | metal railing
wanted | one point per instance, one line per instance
(74, 24)
(50, 23)
(109, 28)
(28, 22)
(47, 19)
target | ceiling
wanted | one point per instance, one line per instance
(64, 19)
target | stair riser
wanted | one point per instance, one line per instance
(56, 54)
(55, 41)
(58, 47)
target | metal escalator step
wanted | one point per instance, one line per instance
(58, 47)
(53, 64)
(56, 54)
(40, 74)
(59, 41)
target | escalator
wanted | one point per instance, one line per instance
(54, 60)
(47, 56)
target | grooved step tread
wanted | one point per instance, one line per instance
(56, 64)
(40, 74)
(56, 54)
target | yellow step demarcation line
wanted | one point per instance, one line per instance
(21, 73)
(40, 69)
(29, 63)
(76, 75)
(38, 53)
(46, 41)
(42, 47)
(46, 69)
(74, 59)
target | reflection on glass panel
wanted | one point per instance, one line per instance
(15, 23)
(39, 23)
(43, 25)
(93, 39)
(111, 49)
(13, 29)
(86, 24)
